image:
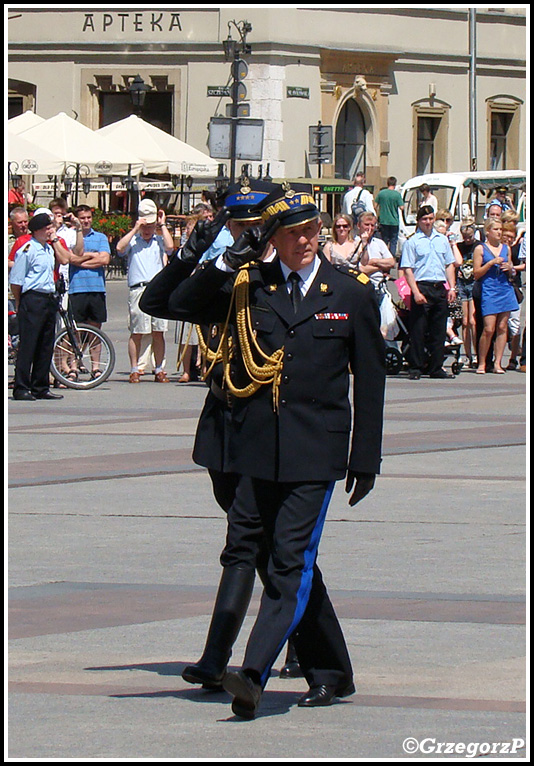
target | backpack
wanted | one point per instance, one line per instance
(357, 208)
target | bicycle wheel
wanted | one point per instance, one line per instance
(85, 363)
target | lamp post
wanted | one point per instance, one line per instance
(233, 50)
(68, 180)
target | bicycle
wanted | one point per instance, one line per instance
(83, 355)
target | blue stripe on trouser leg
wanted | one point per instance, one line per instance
(303, 593)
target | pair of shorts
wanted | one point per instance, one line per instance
(514, 323)
(88, 307)
(140, 323)
(465, 290)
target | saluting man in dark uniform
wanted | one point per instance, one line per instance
(300, 327)
(238, 575)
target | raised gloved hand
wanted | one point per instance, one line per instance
(203, 236)
(250, 245)
(364, 484)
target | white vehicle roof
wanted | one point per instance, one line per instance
(484, 179)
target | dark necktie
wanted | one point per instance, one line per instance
(296, 295)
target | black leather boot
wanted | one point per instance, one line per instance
(231, 604)
(291, 668)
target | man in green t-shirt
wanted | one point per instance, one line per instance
(388, 202)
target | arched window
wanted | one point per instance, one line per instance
(21, 97)
(350, 141)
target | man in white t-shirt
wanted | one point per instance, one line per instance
(147, 254)
(374, 257)
(358, 194)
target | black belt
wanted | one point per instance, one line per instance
(219, 394)
(139, 284)
(431, 284)
(39, 292)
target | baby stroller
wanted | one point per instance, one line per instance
(395, 322)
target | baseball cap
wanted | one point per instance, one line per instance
(147, 209)
(45, 210)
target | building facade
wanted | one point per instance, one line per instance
(395, 84)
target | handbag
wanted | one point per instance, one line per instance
(518, 293)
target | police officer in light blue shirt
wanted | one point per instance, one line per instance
(32, 284)
(428, 263)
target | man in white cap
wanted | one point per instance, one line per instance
(147, 254)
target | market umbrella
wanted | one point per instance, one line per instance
(23, 121)
(80, 146)
(160, 152)
(28, 158)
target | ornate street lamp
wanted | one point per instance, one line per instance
(15, 178)
(138, 90)
(70, 179)
(221, 181)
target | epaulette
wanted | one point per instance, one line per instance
(352, 272)
(27, 247)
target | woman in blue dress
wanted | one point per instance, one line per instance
(492, 265)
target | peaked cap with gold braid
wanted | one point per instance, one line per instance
(291, 204)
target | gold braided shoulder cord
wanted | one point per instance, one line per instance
(260, 375)
(211, 357)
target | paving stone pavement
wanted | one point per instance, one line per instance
(113, 542)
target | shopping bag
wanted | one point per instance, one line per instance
(389, 325)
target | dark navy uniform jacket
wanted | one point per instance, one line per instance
(211, 434)
(335, 332)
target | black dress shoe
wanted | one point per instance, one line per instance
(23, 396)
(291, 670)
(414, 375)
(196, 674)
(246, 693)
(323, 695)
(48, 395)
(442, 375)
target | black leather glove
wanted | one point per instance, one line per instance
(364, 484)
(249, 246)
(203, 236)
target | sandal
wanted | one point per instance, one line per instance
(95, 374)
(72, 375)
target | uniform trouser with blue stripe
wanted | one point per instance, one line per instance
(295, 600)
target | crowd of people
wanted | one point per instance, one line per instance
(460, 291)
(455, 283)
